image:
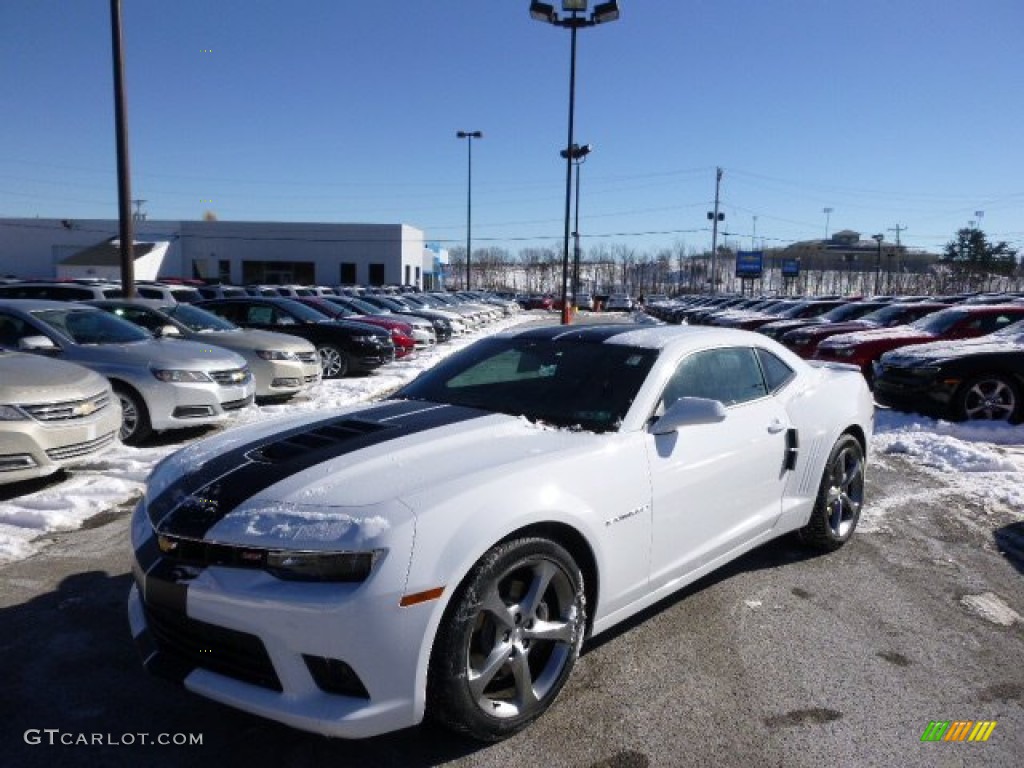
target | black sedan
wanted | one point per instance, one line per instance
(974, 379)
(344, 346)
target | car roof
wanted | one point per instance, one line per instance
(27, 305)
(646, 336)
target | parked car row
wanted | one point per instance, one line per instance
(109, 369)
(955, 357)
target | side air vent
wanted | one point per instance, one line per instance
(316, 440)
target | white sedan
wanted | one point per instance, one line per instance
(444, 553)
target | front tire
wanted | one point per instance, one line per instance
(840, 498)
(993, 397)
(135, 425)
(508, 641)
(333, 361)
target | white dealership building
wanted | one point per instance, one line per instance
(240, 252)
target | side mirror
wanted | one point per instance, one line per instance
(37, 344)
(168, 330)
(687, 411)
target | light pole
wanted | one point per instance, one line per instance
(578, 155)
(828, 213)
(469, 136)
(878, 261)
(603, 13)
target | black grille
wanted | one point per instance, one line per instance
(225, 651)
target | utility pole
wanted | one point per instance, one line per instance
(138, 215)
(715, 217)
(897, 229)
(124, 190)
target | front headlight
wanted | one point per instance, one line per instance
(11, 413)
(368, 339)
(178, 377)
(321, 566)
(275, 354)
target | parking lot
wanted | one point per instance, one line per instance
(776, 660)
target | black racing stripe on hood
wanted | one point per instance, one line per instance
(196, 502)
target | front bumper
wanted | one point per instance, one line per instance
(178, 405)
(907, 390)
(246, 639)
(31, 449)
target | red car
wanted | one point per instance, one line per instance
(804, 341)
(401, 333)
(863, 348)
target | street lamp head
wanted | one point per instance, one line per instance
(572, 6)
(604, 12)
(576, 152)
(469, 134)
(543, 12)
(878, 238)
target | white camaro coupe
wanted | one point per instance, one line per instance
(445, 552)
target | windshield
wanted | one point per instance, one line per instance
(302, 312)
(91, 326)
(939, 322)
(849, 312)
(573, 384)
(199, 320)
(1012, 330)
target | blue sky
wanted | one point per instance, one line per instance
(890, 112)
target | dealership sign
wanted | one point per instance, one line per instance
(749, 264)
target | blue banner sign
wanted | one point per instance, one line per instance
(749, 263)
(791, 268)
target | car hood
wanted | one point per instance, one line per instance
(902, 333)
(248, 339)
(158, 352)
(33, 379)
(832, 329)
(340, 478)
(940, 350)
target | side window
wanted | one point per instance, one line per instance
(11, 330)
(776, 373)
(731, 375)
(260, 315)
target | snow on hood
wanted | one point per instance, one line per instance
(937, 350)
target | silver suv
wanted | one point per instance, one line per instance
(52, 415)
(161, 383)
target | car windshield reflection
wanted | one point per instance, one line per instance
(587, 386)
(92, 326)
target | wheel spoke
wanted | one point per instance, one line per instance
(543, 572)
(835, 519)
(556, 631)
(526, 697)
(853, 472)
(480, 679)
(496, 608)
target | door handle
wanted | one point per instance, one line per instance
(776, 426)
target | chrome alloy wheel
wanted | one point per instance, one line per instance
(845, 492)
(525, 633)
(991, 399)
(333, 362)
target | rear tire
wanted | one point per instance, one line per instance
(508, 640)
(840, 498)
